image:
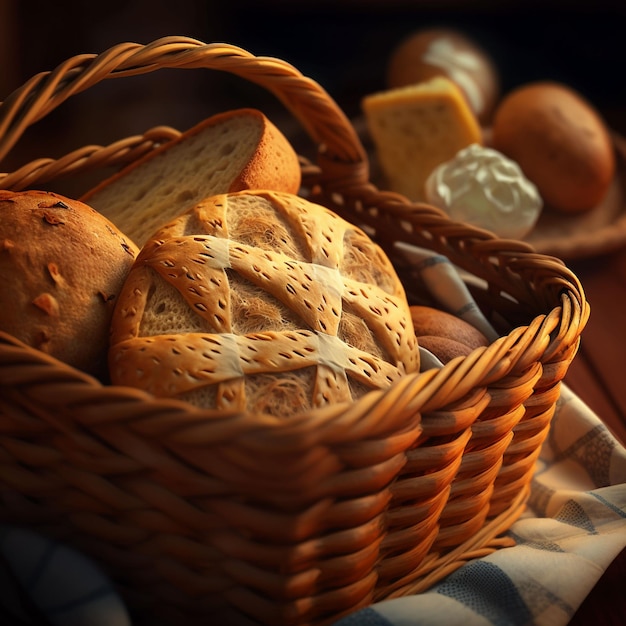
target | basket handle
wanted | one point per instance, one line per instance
(342, 159)
(341, 155)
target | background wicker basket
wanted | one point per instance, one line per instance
(249, 519)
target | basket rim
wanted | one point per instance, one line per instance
(415, 393)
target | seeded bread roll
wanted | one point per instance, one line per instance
(62, 266)
(262, 301)
(231, 151)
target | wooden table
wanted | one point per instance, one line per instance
(597, 377)
(597, 373)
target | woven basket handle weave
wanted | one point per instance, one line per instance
(342, 162)
(341, 155)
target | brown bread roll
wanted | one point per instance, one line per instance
(443, 348)
(62, 266)
(445, 335)
(431, 52)
(262, 301)
(560, 141)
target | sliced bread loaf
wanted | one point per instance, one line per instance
(232, 151)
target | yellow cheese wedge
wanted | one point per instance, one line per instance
(416, 128)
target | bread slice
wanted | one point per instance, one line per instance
(232, 151)
(416, 128)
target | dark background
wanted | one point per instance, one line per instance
(343, 44)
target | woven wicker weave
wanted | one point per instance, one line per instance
(244, 519)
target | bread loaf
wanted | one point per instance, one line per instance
(430, 52)
(231, 151)
(416, 128)
(445, 335)
(443, 348)
(262, 301)
(560, 141)
(62, 266)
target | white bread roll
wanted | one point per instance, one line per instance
(231, 151)
(262, 301)
(62, 266)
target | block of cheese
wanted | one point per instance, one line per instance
(416, 128)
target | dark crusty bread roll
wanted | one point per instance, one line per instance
(62, 266)
(444, 348)
(262, 301)
(445, 335)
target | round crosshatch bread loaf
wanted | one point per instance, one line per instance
(262, 301)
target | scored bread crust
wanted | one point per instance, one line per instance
(231, 151)
(62, 265)
(263, 301)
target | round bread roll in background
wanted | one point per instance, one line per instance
(560, 141)
(261, 301)
(62, 265)
(445, 335)
(427, 53)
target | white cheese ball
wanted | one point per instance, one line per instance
(482, 187)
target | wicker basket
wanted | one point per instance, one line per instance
(246, 519)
